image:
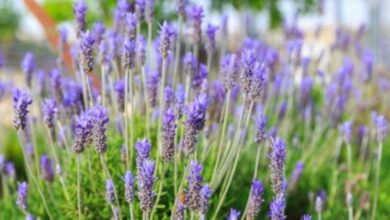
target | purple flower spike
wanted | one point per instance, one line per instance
(110, 192)
(346, 131)
(168, 96)
(80, 10)
(255, 199)
(49, 111)
(140, 9)
(152, 84)
(47, 169)
(141, 50)
(106, 56)
(129, 54)
(28, 66)
(194, 185)
(210, 42)
(131, 26)
(196, 116)
(190, 64)
(100, 120)
(168, 135)
(87, 62)
(381, 127)
(277, 208)
(319, 204)
(98, 31)
(82, 132)
(9, 170)
(179, 211)
(129, 186)
(21, 101)
(306, 217)
(179, 100)
(248, 61)
(119, 88)
(261, 124)
(296, 174)
(199, 77)
(22, 196)
(149, 10)
(143, 151)
(278, 158)
(167, 35)
(229, 70)
(146, 181)
(205, 194)
(234, 215)
(181, 8)
(258, 82)
(196, 14)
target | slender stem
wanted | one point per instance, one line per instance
(177, 51)
(349, 155)
(147, 107)
(159, 192)
(103, 85)
(126, 118)
(161, 109)
(35, 181)
(113, 212)
(150, 60)
(224, 125)
(57, 162)
(319, 216)
(350, 213)
(377, 178)
(108, 176)
(132, 107)
(131, 211)
(209, 60)
(79, 186)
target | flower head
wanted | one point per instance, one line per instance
(119, 88)
(28, 66)
(22, 196)
(233, 214)
(149, 10)
(146, 181)
(381, 127)
(296, 174)
(255, 199)
(194, 185)
(110, 192)
(80, 11)
(21, 101)
(129, 186)
(229, 70)
(168, 134)
(131, 26)
(47, 169)
(143, 151)
(196, 14)
(205, 194)
(129, 54)
(261, 124)
(87, 41)
(49, 110)
(278, 158)
(100, 119)
(210, 42)
(248, 61)
(167, 35)
(277, 208)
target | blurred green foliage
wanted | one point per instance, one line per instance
(9, 20)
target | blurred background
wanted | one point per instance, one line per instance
(26, 24)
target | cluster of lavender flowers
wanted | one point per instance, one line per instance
(183, 132)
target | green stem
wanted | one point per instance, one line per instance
(147, 107)
(79, 186)
(177, 51)
(377, 178)
(126, 118)
(35, 181)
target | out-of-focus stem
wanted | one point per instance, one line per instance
(79, 186)
(177, 51)
(377, 178)
(147, 107)
(126, 137)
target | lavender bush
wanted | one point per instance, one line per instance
(177, 122)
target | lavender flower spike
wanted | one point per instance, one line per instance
(80, 10)
(167, 35)
(181, 8)
(248, 61)
(143, 151)
(196, 14)
(229, 70)
(152, 84)
(277, 208)
(129, 54)
(233, 215)
(129, 186)
(257, 82)
(49, 110)
(87, 62)
(255, 199)
(261, 124)
(278, 158)
(210, 42)
(22, 196)
(28, 66)
(131, 26)
(381, 127)
(82, 132)
(100, 120)
(296, 174)
(119, 88)
(149, 10)
(168, 134)
(110, 192)
(306, 217)
(205, 194)
(145, 185)
(21, 101)
(195, 122)
(47, 169)
(194, 186)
